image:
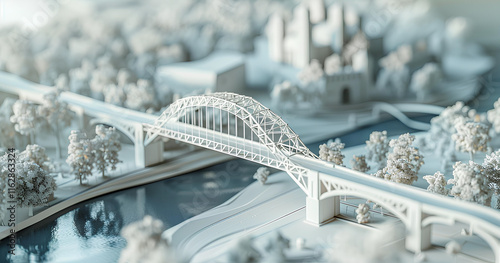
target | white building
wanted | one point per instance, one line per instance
(311, 34)
(351, 84)
(219, 72)
(316, 32)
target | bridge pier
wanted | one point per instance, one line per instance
(418, 237)
(319, 211)
(83, 119)
(146, 155)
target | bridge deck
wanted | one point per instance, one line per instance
(435, 204)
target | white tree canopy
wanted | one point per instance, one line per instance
(34, 185)
(404, 162)
(80, 155)
(363, 214)
(332, 152)
(25, 118)
(437, 183)
(358, 163)
(377, 147)
(471, 136)
(261, 174)
(470, 183)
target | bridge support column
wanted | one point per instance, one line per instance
(82, 119)
(319, 211)
(418, 238)
(146, 155)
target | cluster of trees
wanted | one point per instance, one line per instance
(457, 128)
(87, 56)
(461, 128)
(332, 152)
(100, 153)
(34, 186)
(27, 118)
(401, 164)
(395, 74)
(471, 181)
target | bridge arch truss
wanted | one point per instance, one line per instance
(236, 125)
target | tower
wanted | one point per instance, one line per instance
(337, 22)
(302, 54)
(318, 11)
(275, 36)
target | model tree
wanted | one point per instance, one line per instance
(442, 128)
(115, 95)
(377, 148)
(25, 118)
(7, 131)
(261, 175)
(470, 183)
(80, 155)
(145, 243)
(312, 76)
(363, 214)
(140, 96)
(471, 137)
(34, 185)
(491, 167)
(493, 116)
(424, 79)
(358, 163)
(332, 152)
(404, 162)
(285, 95)
(106, 146)
(437, 183)
(36, 153)
(57, 115)
(395, 73)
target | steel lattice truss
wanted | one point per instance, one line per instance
(198, 120)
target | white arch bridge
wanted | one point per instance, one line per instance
(242, 127)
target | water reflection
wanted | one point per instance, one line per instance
(36, 245)
(90, 231)
(98, 218)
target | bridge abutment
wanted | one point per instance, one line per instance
(418, 237)
(146, 155)
(319, 211)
